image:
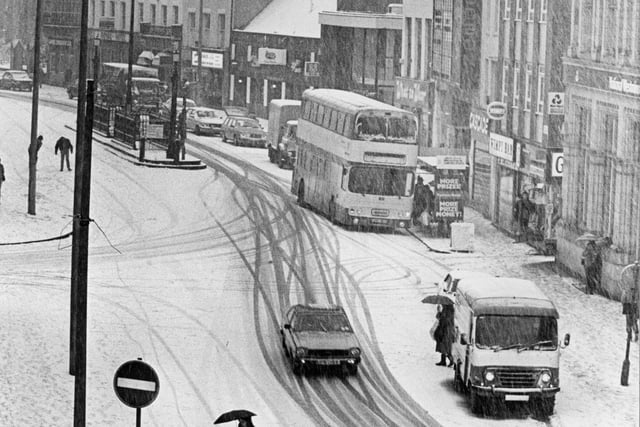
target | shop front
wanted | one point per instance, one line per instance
(503, 150)
(479, 162)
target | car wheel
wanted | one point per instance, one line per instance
(70, 95)
(235, 141)
(197, 130)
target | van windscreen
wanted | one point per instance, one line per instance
(518, 332)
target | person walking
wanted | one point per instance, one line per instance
(445, 334)
(630, 310)
(419, 200)
(64, 145)
(592, 262)
(1, 176)
(521, 213)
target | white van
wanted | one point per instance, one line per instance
(506, 342)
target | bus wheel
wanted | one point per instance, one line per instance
(458, 384)
(301, 194)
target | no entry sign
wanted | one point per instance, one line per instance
(136, 384)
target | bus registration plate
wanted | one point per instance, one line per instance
(378, 221)
(328, 362)
(516, 397)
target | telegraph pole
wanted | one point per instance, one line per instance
(199, 84)
(33, 148)
(130, 69)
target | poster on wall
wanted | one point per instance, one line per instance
(449, 208)
(269, 56)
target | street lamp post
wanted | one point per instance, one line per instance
(172, 146)
(96, 59)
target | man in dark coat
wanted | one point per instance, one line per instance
(521, 213)
(64, 145)
(419, 200)
(592, 262)
(445, 334)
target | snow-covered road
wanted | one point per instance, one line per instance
(209, 260)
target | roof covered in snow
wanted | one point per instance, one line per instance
(291, 18)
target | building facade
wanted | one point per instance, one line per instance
(276, 54)
(516, 122)
(601, 182)
(361, 51)
(441, 49)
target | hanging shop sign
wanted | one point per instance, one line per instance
(448, 161)
(209, 59)
(269, 56)
(497, 110)
(557, 164)
(501, 146)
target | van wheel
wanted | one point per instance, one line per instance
(272, 158)
(280, 162)
(477, 403)
(301, 194)
(544, 407)
(332, 211)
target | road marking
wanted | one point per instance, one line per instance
(136, 384)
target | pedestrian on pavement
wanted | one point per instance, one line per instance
(445, 334)
(38, 146)
(1, 176)
(419, 200)
(521, 213)
(592, 262)
(630, 309)
(64, 145)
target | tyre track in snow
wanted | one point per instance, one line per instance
(322, 265)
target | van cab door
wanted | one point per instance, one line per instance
(461, 348)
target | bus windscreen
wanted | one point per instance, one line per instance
(380, 127)
(380, 181)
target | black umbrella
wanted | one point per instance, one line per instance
(442, 299)
(236, 414)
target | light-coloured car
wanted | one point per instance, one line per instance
(244, 131)
(165, 107)
(203, 120)
(320, 336)
(16, 80)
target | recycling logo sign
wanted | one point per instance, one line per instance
(556, 103)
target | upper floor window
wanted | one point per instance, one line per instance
(176, 15)
(153, 14)
(543, 11)
(516, 84)
(507, 9)
(103, 8)
(112, 9)
(164, 13)
(530, 10)
(518, 10)
(206, 21)
(222, 26)
(541, 94)
(141, 12)
(192, 20)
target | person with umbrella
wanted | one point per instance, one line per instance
(445, 334)
(241, 415)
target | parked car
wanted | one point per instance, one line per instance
(205, 120)
(16, 80)
(165, 107)
(321, 336)
(244, 131)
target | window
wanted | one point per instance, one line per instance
(103, 8)
(165, 15)
(341, 121)
(222, 27)
(507, 9)
(314, 112)
(176, 15)
(634, 138)
(505, 77)
(516, 83)
(543, 11)
(327, 118)
(153, 14)
(123, 14)
(206, 21)
(380, 181)
(334, 121)
(442, 38)
(141, 12)
(530, 10)
(527, 88)
(541, 94)
(112, 9)
(192, 20)
(320, 115)
(518, 10)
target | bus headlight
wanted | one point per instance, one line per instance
(301, 352)
(354, 352)
(354, 212)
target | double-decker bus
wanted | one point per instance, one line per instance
(356, 159)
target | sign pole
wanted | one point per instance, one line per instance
(138, 417)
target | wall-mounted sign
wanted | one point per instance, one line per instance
(61, 42)
(413, 93)
(557, 164)
(449, 208)
(209, 59)
(451, 162)
(496, 110)
(501, 146)
(556, 103)
(268, 56)
(311, 69)
(479, 123)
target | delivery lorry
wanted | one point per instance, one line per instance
(506, 344)
(282, 113)
(146, 88)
